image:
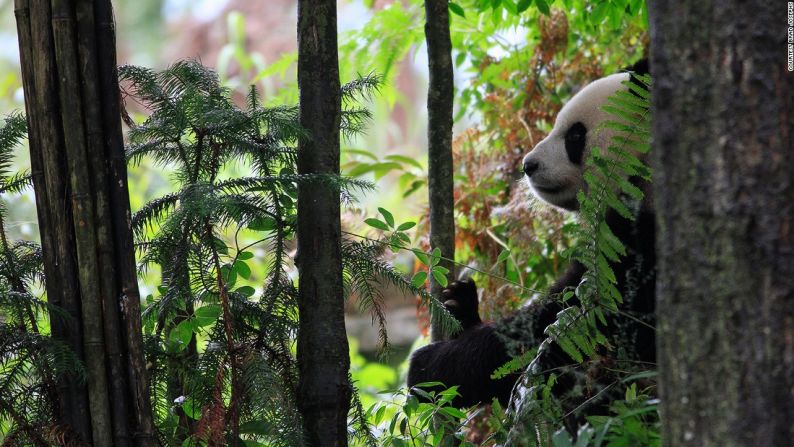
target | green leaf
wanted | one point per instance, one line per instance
(543, 7)
(415, 185)
(523, 5)
(422, 393)
(618, 206)
(455, 8)
(406, 226)
(242, 269)
(599, 12)
(515, 364)
(262, 224)
(607, 236)
(502, 256)
(280, 66)
(246, 291)
(362, 152)
(435, 257)
(377, 223)
(182, 333)
(406, 160)
(605, 269)
(453, 412)
(439, 276)
(419, 279)
(245, 255)
(627, 187)
(388, 216)
(229, 275)
(441, 269)
(428, 384)
(460, 59)
(207, 314)
(422, 256)
(561, 438)
(192, 408)
(379, 414)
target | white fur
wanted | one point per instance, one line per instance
(557, 180)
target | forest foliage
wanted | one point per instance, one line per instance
(220, 323)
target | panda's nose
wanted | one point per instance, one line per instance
(530, 166)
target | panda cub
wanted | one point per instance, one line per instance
(554, 170)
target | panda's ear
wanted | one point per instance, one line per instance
(640, 67)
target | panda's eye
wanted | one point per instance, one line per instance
(575, 139)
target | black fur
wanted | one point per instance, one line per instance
(460, 299)
(575, 138)
(469, 359)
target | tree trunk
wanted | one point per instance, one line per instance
(72, 95)
(323, 359)
(439, 135)
(723, 108)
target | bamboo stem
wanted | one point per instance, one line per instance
(126, 284)
(54, 211)
(107, 281)
(83, 215)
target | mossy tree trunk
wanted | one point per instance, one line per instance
(323, 359)
(68, 59)
(439, 137)
(723, 108)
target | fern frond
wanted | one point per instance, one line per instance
(14, 129)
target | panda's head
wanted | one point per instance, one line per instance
(555, 167)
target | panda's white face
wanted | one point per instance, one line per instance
(554, 167)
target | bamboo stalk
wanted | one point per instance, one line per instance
(46, 148)
(126, 280)
(83, 215)
(22, 13)
(89, 73)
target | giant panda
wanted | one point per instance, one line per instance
(554, 171)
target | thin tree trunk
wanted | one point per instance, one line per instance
(323, 359)
(439, 135)
(723, 110)
(73, 113)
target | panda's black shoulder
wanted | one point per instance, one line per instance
(477, 352)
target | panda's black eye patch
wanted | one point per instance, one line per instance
(575, 139)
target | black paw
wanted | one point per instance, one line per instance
(460, 299)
